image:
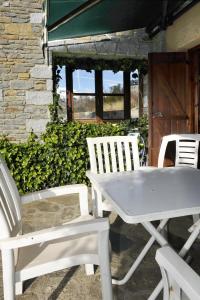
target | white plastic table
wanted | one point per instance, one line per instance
(147, 195)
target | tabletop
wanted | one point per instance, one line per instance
(151, 194)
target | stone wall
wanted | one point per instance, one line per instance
(25, 78)
(131, 43)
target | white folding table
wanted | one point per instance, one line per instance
(147, 195)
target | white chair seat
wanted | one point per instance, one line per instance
(33, 259)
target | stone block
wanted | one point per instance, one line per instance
(10, 93)
(39, 97)
(23, 75)
(40, 86)
(49, 85)
(21, 84)
(41, 71)
(18, 29)
(1, 95)
(3, 42)
(37, 126)
(36, 18)
(6, 3)
(4, 19)
(18, 68)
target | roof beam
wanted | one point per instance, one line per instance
(164, 13)
(74, 13)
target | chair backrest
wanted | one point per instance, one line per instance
(10, 204)
(187, 147)
(179, 279)
(113, 154)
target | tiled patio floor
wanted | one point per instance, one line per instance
(126, 240)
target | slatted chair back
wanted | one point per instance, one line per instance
(10, 204)
(187, 152)
(187, 148)
(113, 154)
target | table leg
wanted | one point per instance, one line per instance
(186, 247)
(157, 236)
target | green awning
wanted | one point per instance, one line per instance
(77, 18)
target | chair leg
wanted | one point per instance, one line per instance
(8, 274)
(104, 264)
(19, 288)
(89, 269)
(97, 203)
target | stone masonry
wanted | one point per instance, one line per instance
(25, 78)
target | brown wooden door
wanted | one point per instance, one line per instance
(194, 58)
(170, 107)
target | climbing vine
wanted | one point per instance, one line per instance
(88, 64)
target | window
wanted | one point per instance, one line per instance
(83, 95)
(113, 95)
(98, 95)
(134, 94)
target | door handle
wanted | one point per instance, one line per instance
(158, 114)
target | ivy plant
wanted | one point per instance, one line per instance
(60, 156)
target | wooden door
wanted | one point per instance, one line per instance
(170, 107)
(194, 58)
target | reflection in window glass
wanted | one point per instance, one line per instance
(61, 91)
(83, 81)
(84, 107)
(134, 94)
(113, 107)
(113, 82)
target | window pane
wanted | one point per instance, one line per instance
(83, 81)
(84, 107)
(113, 107)
(61, 90)
(134, 94)
(113, 82)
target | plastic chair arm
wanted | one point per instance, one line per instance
(180, 271)
(80, 189)
(53, 233)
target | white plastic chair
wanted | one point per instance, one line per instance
(112, 154)
(180, 281)
(186, 154)
(187, 146)
(83, 241)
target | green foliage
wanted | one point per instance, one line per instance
(88, 64)
(59, 157)
(55, 107)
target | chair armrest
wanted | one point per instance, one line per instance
(53, 233)
(180, 271)
(80, 189)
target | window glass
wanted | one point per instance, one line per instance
(83, 81)
(113, 82)
(134, 94)
(61, 91)
(113, 107)
(84, 107)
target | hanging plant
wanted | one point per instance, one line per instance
(89, 64)
(55, 107)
